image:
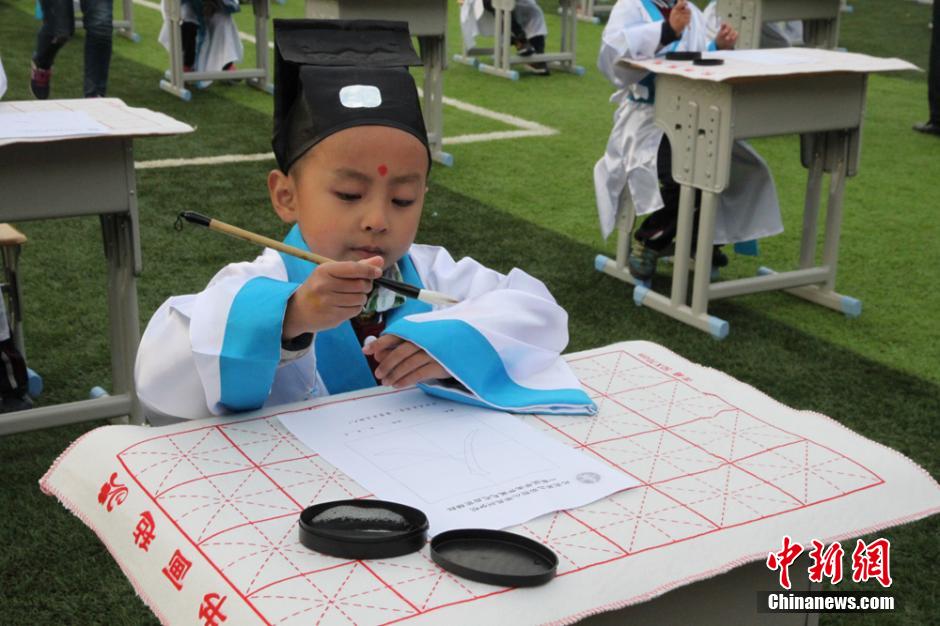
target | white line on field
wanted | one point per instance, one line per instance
(213, 160)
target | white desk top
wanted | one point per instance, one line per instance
(741, 64)
(116, 118)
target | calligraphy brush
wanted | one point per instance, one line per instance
(410, 291)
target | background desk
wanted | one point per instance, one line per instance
(94, 175)
(427, 20)
(175, 79)
(724, 473)
(503, 59)
(703, 111)
(820, 19)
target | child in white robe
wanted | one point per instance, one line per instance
(209, 35)
(637, 161)
(353, 162)
(529, 28)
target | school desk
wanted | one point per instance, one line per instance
(817, 93)
(427, 20)
(820, 19)
(58, 177)
(502, 49)
(202, 516)
(175, 78)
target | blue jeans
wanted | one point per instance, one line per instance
(58, 25)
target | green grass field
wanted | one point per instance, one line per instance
(528, 203)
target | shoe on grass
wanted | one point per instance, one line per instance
(39, 81)
(642, 261)
(929, 128)
(539, 69)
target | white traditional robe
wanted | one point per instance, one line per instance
(217, 44)
(475, 21)
(219, 351)
(747, 209)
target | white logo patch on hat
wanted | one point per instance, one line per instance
(360, 96)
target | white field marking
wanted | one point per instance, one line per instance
(213, 160)
(525, 128)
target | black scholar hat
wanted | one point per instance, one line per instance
(330, 75)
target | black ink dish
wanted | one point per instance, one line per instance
(363, 529)
(494, 557)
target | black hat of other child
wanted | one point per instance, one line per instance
(330, 75)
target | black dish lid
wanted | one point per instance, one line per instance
(683, 56)
(495, 557)
(363, 529)
(709, 61)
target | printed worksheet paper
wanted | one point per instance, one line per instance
(465, 467)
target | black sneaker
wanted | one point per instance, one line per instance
(929, 128)
(39, 80)
(642, 261)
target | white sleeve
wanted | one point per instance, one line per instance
(629, 34)
(220, 350)
(502, 342)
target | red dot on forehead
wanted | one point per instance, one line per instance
(383, 170)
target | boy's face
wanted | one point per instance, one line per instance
(356, 194)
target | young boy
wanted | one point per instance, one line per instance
(638, 157)
(353, 160)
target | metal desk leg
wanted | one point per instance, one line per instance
(501, 42)
(261, 47)
(831, 151)
(680, 275)
(124, 329)
(811, 208)
(125, 27)
(433, 51)
(618, 267)
(173, 81)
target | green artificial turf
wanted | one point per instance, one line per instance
(526, 203)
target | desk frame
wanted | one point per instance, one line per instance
(175, 79)
(820, 19)
(90, 176)
(702, 119)
(123, 27)
(427, 20)
(503, 60)
(591, 11)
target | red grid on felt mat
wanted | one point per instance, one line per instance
(704, 465)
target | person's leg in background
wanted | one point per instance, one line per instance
(97, 15)
(656, 235)
(932, 126)
(58, 26)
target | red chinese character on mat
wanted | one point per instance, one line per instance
(176, 570)
(211, 608)
(782, 560)
(143, 533)
(872, 561)
(112, 492)
(828, 563)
